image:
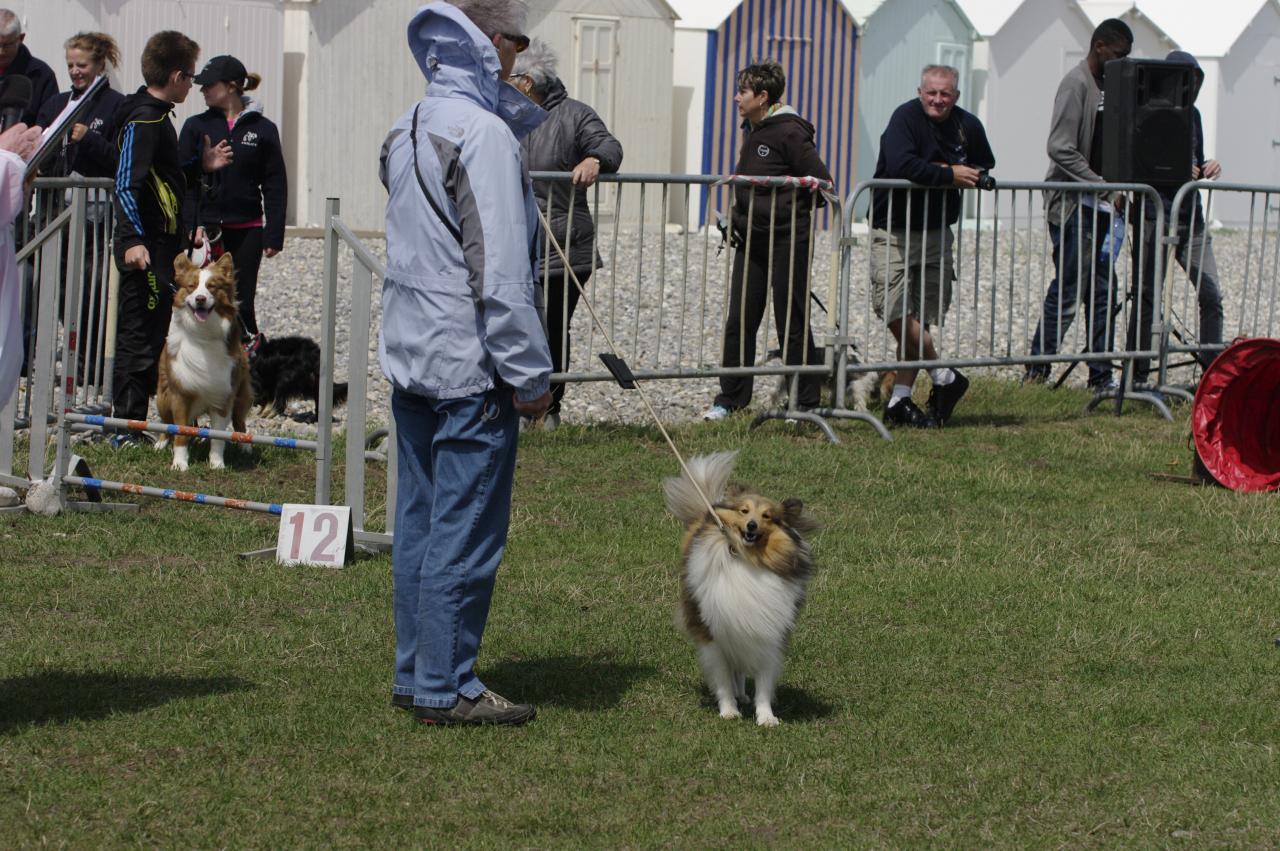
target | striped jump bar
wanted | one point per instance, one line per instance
(179, 496)
(191, 431)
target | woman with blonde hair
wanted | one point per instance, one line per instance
(90, 148)
(240, 209)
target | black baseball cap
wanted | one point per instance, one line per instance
(221, 69)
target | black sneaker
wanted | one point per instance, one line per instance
(402, 701)
(905, 413)
(488, 708)
(942, 400)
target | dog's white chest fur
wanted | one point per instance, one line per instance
(202, 368)
(749, 611)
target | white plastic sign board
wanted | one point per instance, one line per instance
(315, 534)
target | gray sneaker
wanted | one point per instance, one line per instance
(488, 708)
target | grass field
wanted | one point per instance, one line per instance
(1017, 638)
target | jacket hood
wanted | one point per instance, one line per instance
(458, 61)
(778, 114)
(252, 108)
(1184, 58)
(556, 92)
(140, 102)
(252, 112)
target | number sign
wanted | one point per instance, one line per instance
(315, 534)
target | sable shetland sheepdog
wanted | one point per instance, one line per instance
(203, 368)
(741, 588)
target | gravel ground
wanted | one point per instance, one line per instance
(665, 320)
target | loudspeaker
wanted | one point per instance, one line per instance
(1146, 122)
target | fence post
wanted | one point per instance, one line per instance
(41, 368)
(72, 334)
(328, 311)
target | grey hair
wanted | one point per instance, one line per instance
(538, 63)
(941, 71)
(10, 23)
(493, 17)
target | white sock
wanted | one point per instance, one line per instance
(900, 391)
(942, 376)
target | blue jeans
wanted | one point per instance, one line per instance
(1075, 257)
(453, 505)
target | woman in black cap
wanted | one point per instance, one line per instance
(241, 208)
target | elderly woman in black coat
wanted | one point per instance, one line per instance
(572, 139)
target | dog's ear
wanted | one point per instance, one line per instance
(181, 264)
(733, 490)
(225, 263)
(795, 515)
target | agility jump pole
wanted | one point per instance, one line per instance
(191, 431)
(176, 495)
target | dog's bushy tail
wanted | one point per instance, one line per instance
(711, 472)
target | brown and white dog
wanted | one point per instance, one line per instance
(203, 368)
(741, 587)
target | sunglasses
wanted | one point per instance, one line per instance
(520, 41)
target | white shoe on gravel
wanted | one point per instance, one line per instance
(715, 412)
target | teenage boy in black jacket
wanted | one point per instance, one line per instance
(932, 142)
(150, 183)
(16, 59)
(777, 143)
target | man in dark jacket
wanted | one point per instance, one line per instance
(572, 139)
(16, 59)
(777, 143)
(932, 142)
(1194, 250)
(150, 183)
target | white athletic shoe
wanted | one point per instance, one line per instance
(715, 412)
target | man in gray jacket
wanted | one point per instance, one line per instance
(1079, 223)
(462, 345)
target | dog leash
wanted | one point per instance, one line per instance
(622, 373)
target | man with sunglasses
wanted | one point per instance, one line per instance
(462, 344)
(150, 183)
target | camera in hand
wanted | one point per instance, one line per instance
(985, 181)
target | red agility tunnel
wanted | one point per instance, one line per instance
(1236, 417)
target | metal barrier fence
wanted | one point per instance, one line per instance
(71, 307)
(666, 326)
(68, 284)
(996, 315)
(1212, 297)
(665, 296)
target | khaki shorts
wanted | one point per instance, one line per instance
(894, 292)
